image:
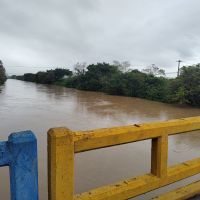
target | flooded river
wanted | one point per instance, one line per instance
(25, 106)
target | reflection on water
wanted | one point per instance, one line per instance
(38, 107)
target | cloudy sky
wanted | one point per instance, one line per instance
(40, 34)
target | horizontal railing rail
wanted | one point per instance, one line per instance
(20, 154)
(64, 143)
(186, 192)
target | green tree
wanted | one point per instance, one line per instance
(48, 77)
(110, 78)
(135, 83)
(29, 77)
(154, 70)
(190, 78)
(156, 88)
(2, 73)
(60, 73)
(176, 91)
(122, 66)
(96, 77)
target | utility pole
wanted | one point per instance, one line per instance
(179, 63)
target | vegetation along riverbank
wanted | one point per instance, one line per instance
(115, 79)
(2, 73)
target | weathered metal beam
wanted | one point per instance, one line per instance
(182, 193)
(159, 156)
(61, 164)
(99, 138)
(142, 184)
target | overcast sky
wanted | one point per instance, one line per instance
(40, 34)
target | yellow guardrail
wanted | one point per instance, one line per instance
(185, 192)
(64, 143)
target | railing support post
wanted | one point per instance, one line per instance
(159, 156)
(23, 166)
(61, 164)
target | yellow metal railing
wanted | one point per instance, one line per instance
(63, 144)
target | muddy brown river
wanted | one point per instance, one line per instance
(30, 106)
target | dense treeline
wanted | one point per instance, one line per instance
(48, 77)
(186, 88)
(108, 78)
(2, 73)
(111, 79)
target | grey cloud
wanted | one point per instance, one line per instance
(62, 32)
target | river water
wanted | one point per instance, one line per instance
(25, 106)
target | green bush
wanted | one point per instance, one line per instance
(2, 73)
(107, 78)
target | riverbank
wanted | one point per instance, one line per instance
(107, 78)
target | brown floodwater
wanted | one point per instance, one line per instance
(30, 106)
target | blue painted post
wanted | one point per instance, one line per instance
(20, 154)
(4, 154)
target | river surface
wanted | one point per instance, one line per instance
(25, 106)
